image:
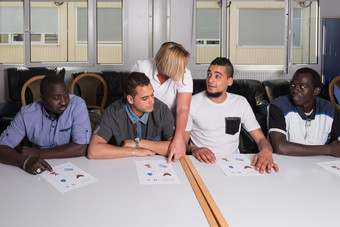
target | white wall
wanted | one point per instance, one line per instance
(136, 33)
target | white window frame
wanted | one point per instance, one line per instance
(92, 41)
(287, 68)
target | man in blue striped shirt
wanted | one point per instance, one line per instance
(58, 126)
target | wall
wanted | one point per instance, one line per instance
(136, 33)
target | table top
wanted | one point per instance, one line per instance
(302, 194)
(116, 199)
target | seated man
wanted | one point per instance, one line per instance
(58, 126)
(302, 123)
(136, 125)
(216, 117)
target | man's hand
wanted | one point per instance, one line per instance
(141, 152)
(203, 154)
(263, 160)
(176, 150)
(36, 165)
(334, 148)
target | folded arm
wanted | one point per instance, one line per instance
(159, 147)
(100, 149)
(69, 150)
(282, 146)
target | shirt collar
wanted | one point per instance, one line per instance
(133, 117)
(45, 113)
(303, 114)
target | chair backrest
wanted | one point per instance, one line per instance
(88, 84)
(334, 82)
(34, 85)
(276, 88)
(17, 77)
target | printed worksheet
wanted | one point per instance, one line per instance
(333, 166)
(236, 165)
(67, 177)
(156, 172)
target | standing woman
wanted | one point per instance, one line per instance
(172, 84)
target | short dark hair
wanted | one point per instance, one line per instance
(133, 80)
(316, 79)
(222, 61)
(48, 80)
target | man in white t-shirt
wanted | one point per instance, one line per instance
(216, 118)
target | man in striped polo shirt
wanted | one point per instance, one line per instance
(302, 123)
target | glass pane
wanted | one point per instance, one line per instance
(253, 27)
(256, 32)
(208, 24)
(11, 32)
(110, 32)
(305, 32)
(55, 31)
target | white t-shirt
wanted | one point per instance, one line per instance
(166, 92)
(217, 126)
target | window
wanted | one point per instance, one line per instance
(11, 32)
(60, 32)
(53, 31)
(49, 25)
(208, 24)
(109, 31)
(256, 31)
(305, 32)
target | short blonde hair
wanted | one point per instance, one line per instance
(171, 60)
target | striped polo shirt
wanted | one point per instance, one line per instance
(320, 127)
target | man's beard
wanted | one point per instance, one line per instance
(213, 95)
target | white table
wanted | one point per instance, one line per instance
(302, 194)
(116, 199)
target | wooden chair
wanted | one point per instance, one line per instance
(34, 85)
(334, 82)
(88, 84)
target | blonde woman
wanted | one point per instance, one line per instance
(172, 84)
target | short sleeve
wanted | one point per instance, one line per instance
(81, 126)
(14, 133)
(187, 84)
(106, 125)
(276, 120)
(248, 119)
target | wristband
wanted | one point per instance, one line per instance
(25, 162)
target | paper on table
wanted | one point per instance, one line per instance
(333, 166)
(156, 172)
(67, 177)
(236, 165)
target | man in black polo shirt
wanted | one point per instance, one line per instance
(136, 125)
